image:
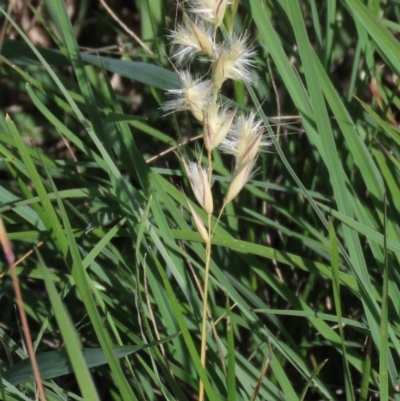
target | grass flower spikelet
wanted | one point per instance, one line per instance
(216, 125)
(245, 140)
(190, 39)
(193, 95)
(209, 10)
(199, 224)
(234, 61)
(239, 180)
(198, 178)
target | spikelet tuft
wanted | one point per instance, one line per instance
(190, 39)
(209, 10)
(245, 140)
(239, 180)
(216, 125)
(234, 61)
(199, 224)
(193, 95)
(198, 179)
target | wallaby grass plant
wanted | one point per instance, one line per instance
(230, 57)
(303, 282)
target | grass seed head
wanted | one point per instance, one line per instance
(245, 140)
(190, 39)
(209, 10)
(193, 95)
(233, 61)
(216, 125)
(239, 180)
(199, 224)
(198, 178)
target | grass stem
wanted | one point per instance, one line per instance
(205, 307)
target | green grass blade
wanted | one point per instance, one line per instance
(231, 354)
(185, 333)
(315, 373)
(336, 173)
(286, 386)
(387, 44)
(55, 364)
(75, 357)
(146, 73)
(366, 373)
(384, 349)
(336, 295)
(82, 282)
(48, 215)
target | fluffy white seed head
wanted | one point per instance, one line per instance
(198, 179)
(190, 39)
(216, 125)
(233, 61)
(193, 95)
(209, 10)
(245, 140)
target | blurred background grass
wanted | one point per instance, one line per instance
(301, 258)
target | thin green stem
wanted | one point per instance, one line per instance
(205, 290)
(219, 217)
(205, 307)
